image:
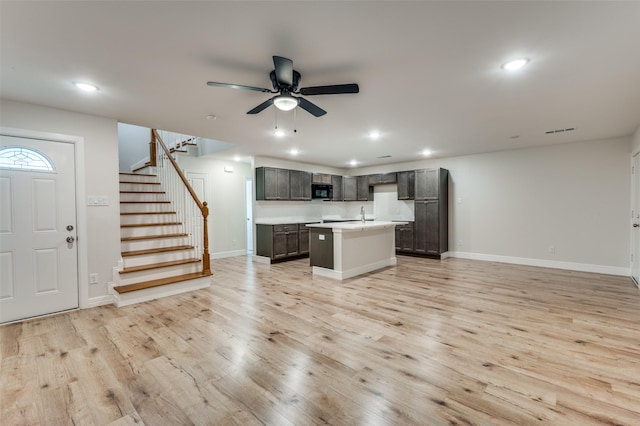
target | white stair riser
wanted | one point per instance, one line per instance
(138, 177)
(145, 207)
(150, 259)
(151, 244)
(154, 274)
(142, 187)
(157, 292)
(140, 196)
(141, 231)
(147, 218)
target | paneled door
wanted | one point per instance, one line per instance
(38, 251)
(635, 221)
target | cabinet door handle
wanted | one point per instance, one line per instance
(635, 225)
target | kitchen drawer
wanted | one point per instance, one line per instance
(292, 227)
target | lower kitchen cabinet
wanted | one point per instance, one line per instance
(405, 238)
(281, 242)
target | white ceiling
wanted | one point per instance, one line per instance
(429, 72)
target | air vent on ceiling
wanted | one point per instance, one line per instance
(549, 132)
(385, 156)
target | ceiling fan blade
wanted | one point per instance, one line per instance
(312, 109)
(334, 89)
(284, 71)
(262, 106)
(238, 86)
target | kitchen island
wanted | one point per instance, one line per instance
(346, 249)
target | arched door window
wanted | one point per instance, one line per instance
(21, 158)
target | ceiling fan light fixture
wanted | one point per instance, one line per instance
(285, 102)
(516, 64)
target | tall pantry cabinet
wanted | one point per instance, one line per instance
(431, 212)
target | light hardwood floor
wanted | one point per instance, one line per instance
(427, 342)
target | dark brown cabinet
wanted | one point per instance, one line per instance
(406, 185)
(272, 184)
(300, 185)
(349, 188)
(322, 178)
(363, 188)
(430, 228)
(279, 242)
(336, 183)
(382, 178)
(404, 238)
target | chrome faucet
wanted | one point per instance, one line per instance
(362, 214)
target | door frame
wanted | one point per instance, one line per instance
(635, 208)
(81, 212)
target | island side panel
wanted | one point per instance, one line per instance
(360, 251)
(321, 247)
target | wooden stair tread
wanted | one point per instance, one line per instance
(159, 282)
(140, 182)
(160, 265)
(155, 250)
(142, 192)
(134, 213)
(141, 225)
(145, 202)
(153, 237)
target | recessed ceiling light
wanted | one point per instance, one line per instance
(374, 134)
(279, 133)
(427, 152)
(516, 64)
(236, 158)
(294, 151)
(85, 86)
(353, 163)
(211, 117)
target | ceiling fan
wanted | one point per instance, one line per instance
(285, 82)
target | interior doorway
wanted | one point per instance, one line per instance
(249, 203)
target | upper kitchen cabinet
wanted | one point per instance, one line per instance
(336, 183)
(406, 185)
(322, 178)
(300, 184)
(363, 190)
(273, 184)
(429, 183)
(349, 188)
(382, 178)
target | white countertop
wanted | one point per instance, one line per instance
(285, 221)
(356, 225)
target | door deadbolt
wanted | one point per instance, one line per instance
(70, 239)
(69, 227)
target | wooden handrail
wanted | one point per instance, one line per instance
(204, 209)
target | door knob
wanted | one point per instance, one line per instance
(69, 227)
(635, 225)
(70, 239)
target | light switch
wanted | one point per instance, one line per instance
(321, 237)
(97, 200)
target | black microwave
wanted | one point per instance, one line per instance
(321, 191)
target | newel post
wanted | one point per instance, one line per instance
(152, 149)
(206, 260)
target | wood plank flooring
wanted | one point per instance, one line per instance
(428, 342)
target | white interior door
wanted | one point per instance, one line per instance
(635, 223)
(38, 252)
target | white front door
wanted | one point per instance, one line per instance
(38, 252)
(635, 222)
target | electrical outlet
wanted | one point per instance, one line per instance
(93, 278)
(552, 249)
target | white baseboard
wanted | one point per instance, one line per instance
(571, 266)
(223, 254)
(107, 299)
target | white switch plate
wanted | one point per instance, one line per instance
(93, 278)
(97, 200)
(321, 237)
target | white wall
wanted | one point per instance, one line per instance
(102, 241)
(133, 145)
(513, 205)
(225, 194)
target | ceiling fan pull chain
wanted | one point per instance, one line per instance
(295, 121)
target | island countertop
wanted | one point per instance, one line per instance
(355, 225)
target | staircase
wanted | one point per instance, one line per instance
(157, 257)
